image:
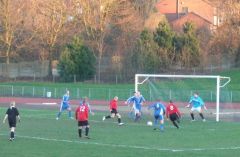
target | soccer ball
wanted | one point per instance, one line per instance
(149, 123)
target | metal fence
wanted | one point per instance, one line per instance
(109, 93)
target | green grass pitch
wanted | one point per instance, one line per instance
(40, 135)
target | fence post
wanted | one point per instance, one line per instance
(150, 94)
(211, 96)
(74, 77)
(53, 78)
(109, 93)
(33, 92)
(89, 93)
(116, 79)
(34, 77)
(55, 92)
(170, 94)
(44, 90)
(78, 93)
(22, 91)
(12, 90)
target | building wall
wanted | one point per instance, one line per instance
(24, 69)
(201, 7)
(199, 22)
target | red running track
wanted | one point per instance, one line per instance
(50, 101)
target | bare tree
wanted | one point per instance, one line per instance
(52, 18)
(144, 8)
(95, 17)
(226, 41)
(13, 23)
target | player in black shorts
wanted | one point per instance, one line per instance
(113, 109)
(12, 114)
(173, 113)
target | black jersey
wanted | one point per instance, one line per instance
(12, 113)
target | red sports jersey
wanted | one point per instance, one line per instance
(171, 108)
(113, 104)
(81, 113)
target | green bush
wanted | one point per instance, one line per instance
(76, 60)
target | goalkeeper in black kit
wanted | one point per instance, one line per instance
(12, 114)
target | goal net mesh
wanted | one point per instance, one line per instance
(179, 90)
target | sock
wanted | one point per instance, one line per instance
(155, 123)
(137, 117)
(201, 115)
(12, 134)
(175, 124)
(59, 114)
(119, 120)
(192, 115)
(86, 131)
(107, 117)
(161, 127)
(178, 120)
(80, 132)
(69, 114)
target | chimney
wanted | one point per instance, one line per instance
(177, 8)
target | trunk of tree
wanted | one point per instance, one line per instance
(50, 62)
(99, 69)
(99, 61)
(8, 54)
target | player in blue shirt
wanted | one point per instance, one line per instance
(65, 106)
(128, 101)
(197, 104)
(159, 112)
(137, 101)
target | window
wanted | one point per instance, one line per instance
(185, 10)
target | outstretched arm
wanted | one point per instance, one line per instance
(18, 118)
(150, 106)
(4, 120)
(204, 106)
(90, 110)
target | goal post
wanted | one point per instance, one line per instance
(218, 79)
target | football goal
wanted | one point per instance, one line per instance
(179, 88)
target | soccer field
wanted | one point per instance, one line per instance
(40, 135)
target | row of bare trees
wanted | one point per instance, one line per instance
(39, 29)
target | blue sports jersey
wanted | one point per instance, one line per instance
(137, 101)
(65, 100)
(158, 108)
(196, 102)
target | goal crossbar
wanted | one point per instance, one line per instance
(217, 77)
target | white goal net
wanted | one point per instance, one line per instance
(179, 88)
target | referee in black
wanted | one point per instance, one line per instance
(12, 114)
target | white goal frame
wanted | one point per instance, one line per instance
(217, 77)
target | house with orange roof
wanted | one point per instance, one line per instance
(202, 13)
(194, 18)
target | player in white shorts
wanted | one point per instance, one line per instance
(137, 100)
(197, 104)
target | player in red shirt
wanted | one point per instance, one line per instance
(81, 115)
(173, 113)
(113, 109)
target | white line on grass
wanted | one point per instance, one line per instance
(127, 146)
(227, 113)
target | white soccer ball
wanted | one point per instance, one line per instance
(149, 123)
